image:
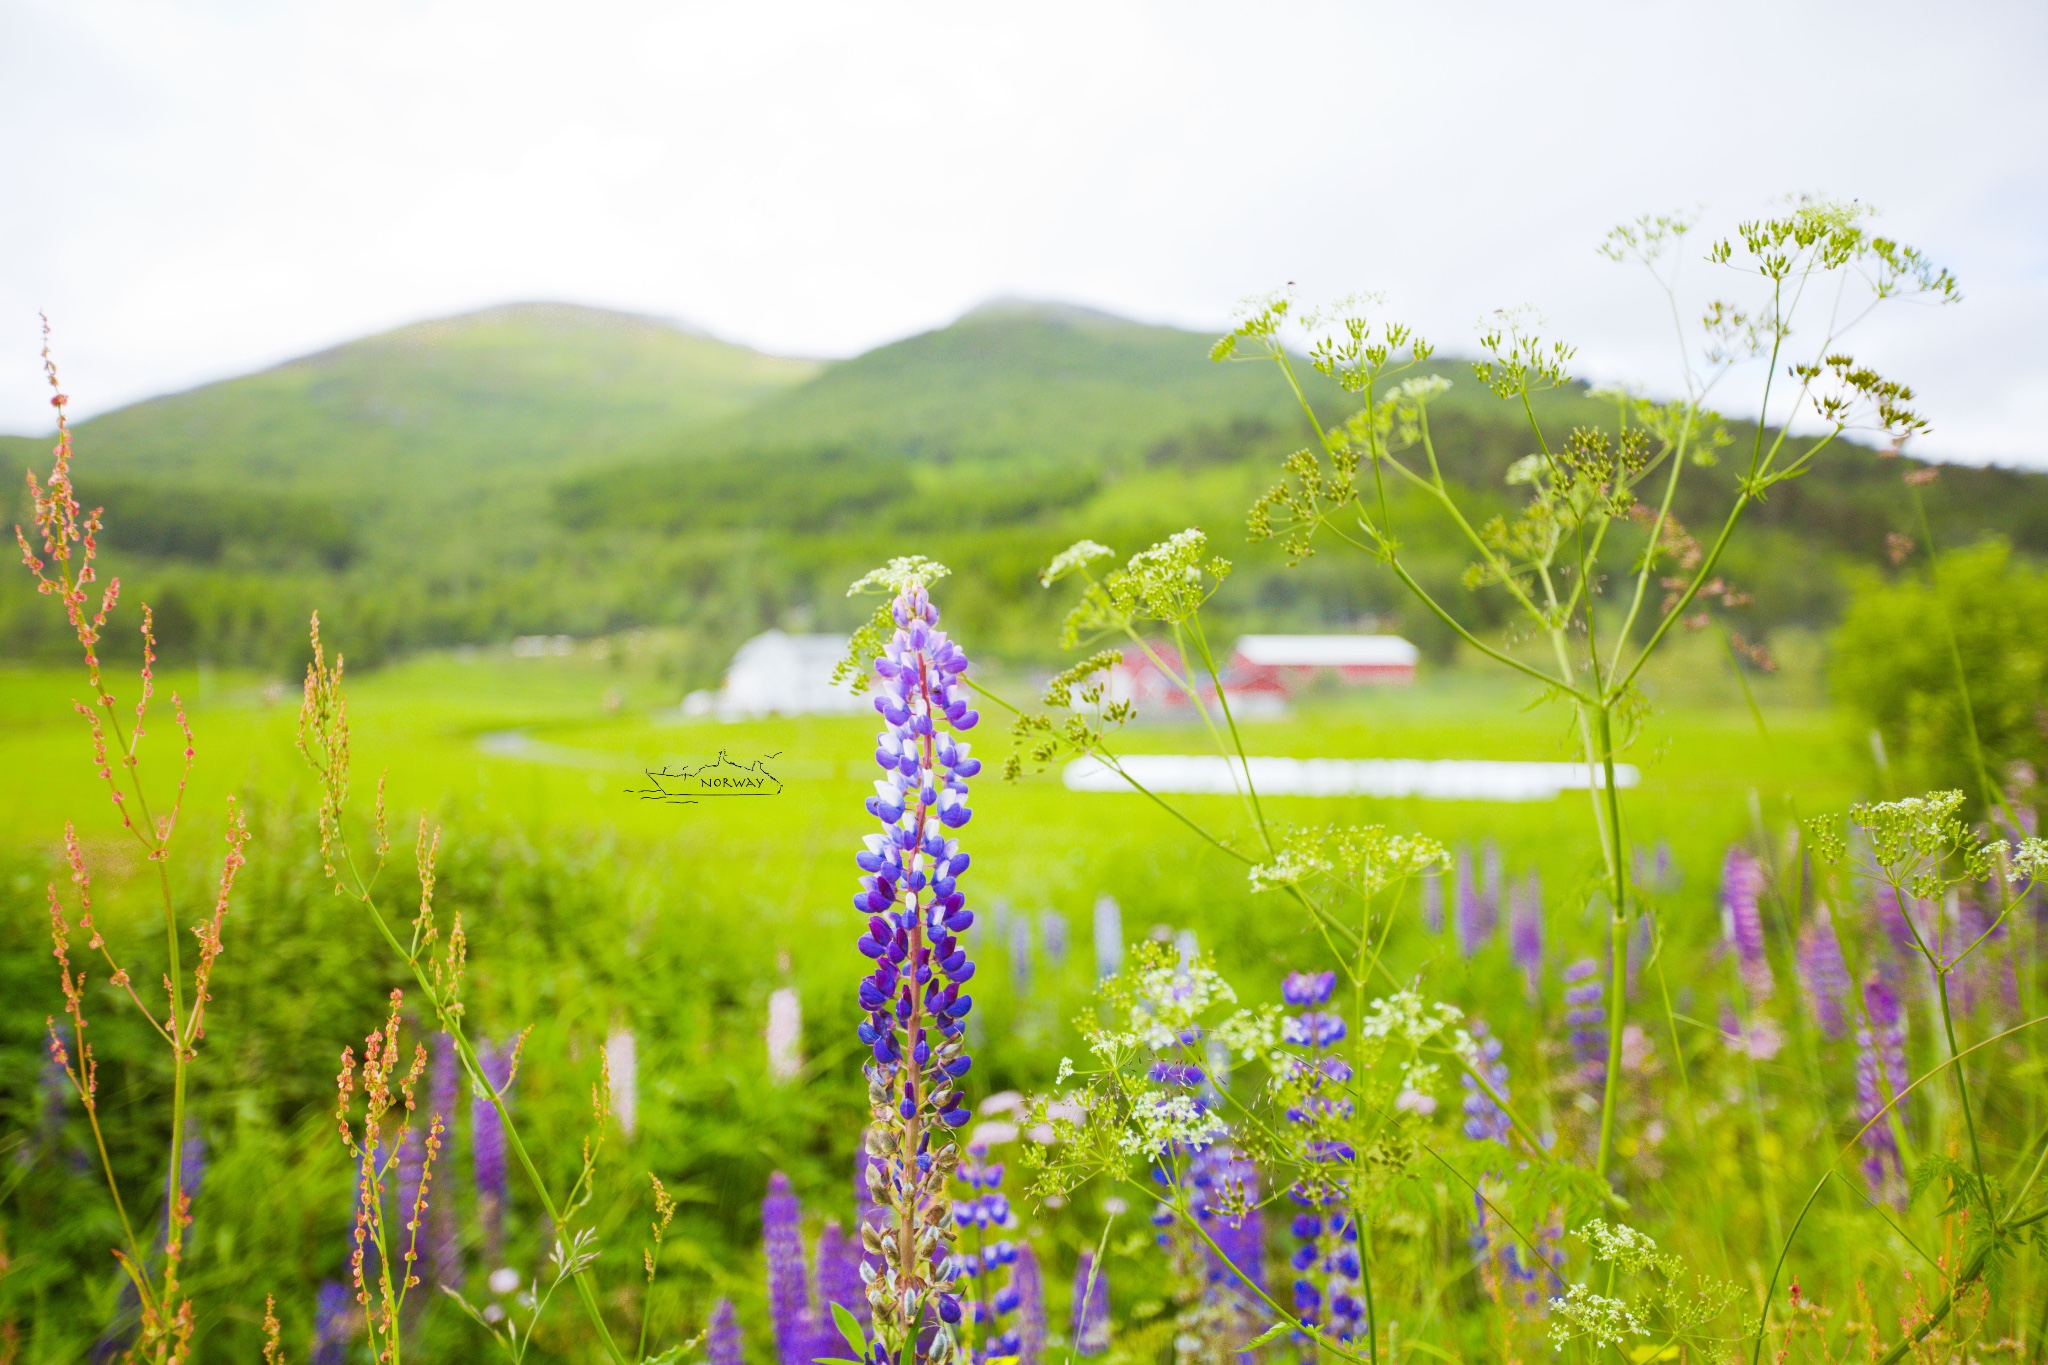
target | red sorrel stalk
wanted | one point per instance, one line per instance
(64, 568)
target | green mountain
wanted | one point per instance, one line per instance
(543, 468)
(508, 392)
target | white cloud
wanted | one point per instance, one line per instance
(195, 190)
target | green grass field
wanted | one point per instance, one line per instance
(589, 908)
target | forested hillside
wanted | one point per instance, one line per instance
(543, 469)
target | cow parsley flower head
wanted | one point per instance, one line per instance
(1075, 557)
(1582, 1313)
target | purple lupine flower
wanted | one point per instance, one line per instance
(1587, 1020)
(487, 1143)
(334, 1323)
(1881, 1078)
(1020, 955)
(1742, 884)
(839, 1282)
(1030, 1287)
(1824, 975)
(1525, 932)
(1491, 886)
(1891, 917)
(1091, 1306)
(1222, 1181)
(1433, 899)
(1519, 1266)
(1654, 870)
(722, 1342)
(444, 1227)
(1642, 937)
(985, 1209)
(1308, 988)
(1483, 1118)
(1325, 1260)
(782, 1239)
(1469, 918)
(1052, 935)
(1966, 924)
(912, 1003)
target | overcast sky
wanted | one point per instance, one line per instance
(196, 190)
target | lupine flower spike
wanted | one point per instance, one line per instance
(980, 1268)
(912, 1004)
(1880, 1077)
(782, 1239)
(1030, 1286)
(1587, 1020)
(1326, 1256)
(1742, 884)
(1525, 932)
(1091, 1306)
(1824, 975)
(722, 1343)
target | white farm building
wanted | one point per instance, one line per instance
(778, 674)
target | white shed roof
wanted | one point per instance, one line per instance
(1327, 651)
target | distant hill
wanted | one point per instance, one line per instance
(547, 468)
(519, 390)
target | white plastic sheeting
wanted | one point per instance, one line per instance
(1450, 779)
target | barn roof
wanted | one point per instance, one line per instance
(1326, 651)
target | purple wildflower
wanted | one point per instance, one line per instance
(1493, 879)
(1030, 1287)
(1742, 883)
(1880, 1078)
(1525, 932)
(1642, 937)
(1521, 1267)
(1184, 1074)
(1654, 870)
(1824, 975)
(1020, 955)
(1587, 1019)
(444, 1230)
(1433, 900)
(1308, 988)
(1223, 1181)
(1091, 1306)
(1965, 926)
(1483, 1118)
(912, 1003)
(334, 1323)
(984, 1210)
(1474, 918)
(1325, 1259)
(722, 1337)
(839, 1282)
(1891, 917)
(1052, 934)
(782, 1238)
(487, 1142)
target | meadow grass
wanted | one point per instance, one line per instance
(587, 906)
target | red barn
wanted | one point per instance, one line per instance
(1286, 662)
